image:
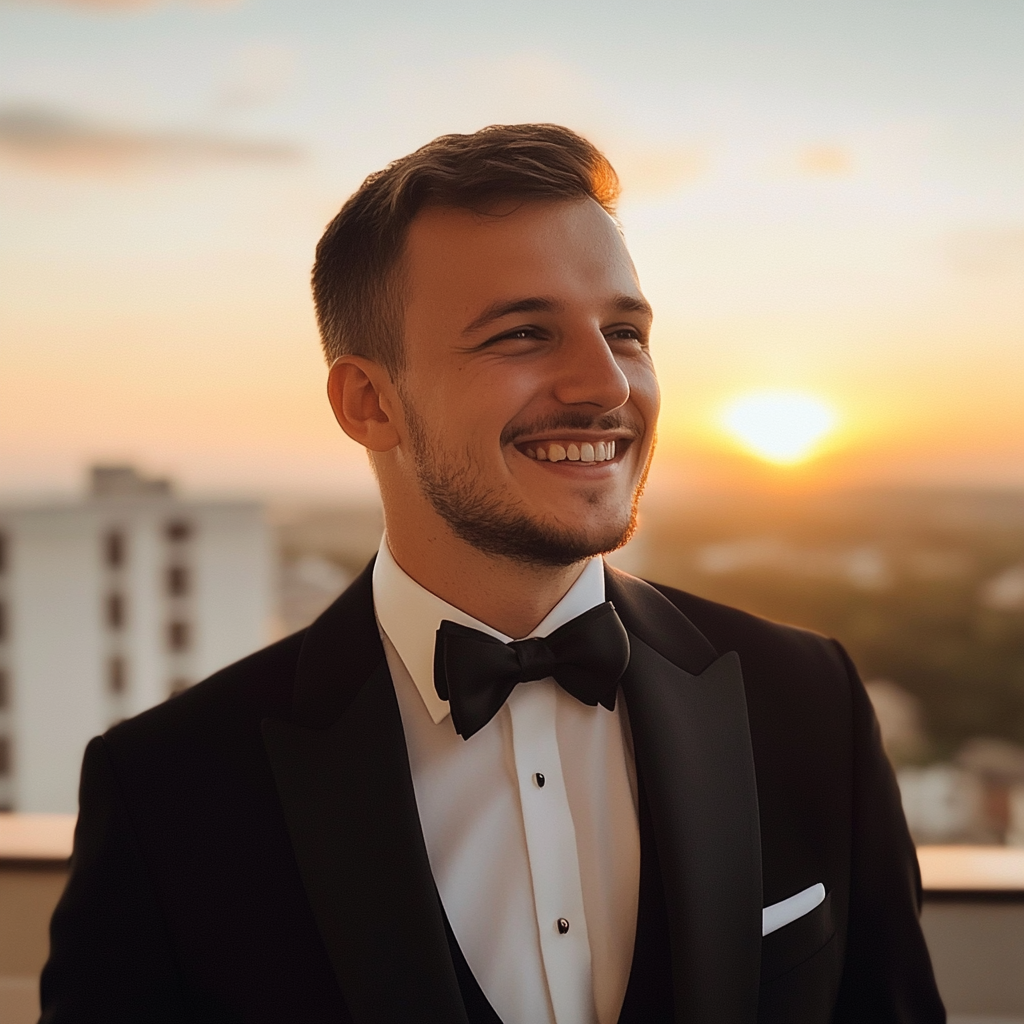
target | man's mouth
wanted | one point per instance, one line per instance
(573, 451)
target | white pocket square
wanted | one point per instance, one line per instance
(780, 914)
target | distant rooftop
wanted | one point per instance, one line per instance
(125, 481)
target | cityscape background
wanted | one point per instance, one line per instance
(825, 206)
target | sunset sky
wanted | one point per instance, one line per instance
(824, 199)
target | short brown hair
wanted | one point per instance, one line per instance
(357, 297)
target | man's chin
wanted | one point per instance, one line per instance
(549, 542)
(544, 532)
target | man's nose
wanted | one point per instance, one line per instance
(588, 374)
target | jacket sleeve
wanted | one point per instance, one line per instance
(887, 974)
(110, 959)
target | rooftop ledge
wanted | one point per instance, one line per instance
(45, 840)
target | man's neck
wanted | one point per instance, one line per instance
(509, 596)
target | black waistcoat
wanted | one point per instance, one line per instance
(648, 997)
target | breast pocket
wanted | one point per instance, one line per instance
(793, 943)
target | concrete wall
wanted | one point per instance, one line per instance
(977, 948)
(28, 894)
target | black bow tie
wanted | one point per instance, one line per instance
(475, 672)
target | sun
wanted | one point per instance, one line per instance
(782, 427)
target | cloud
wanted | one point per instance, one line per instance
(986, 252)
(257, 75)
(825, 161)
(119, 5)
(649, 170)
(49, 140)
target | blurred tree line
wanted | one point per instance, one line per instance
(924, 588)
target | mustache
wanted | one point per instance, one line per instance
(570, 419)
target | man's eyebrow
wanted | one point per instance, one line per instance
(633, 304)
(496, 310)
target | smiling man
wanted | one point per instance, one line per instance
(497, 781)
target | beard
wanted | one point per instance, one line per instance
(492, 524)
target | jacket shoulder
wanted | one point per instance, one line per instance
(764, 646)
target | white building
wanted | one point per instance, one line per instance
(110, 605)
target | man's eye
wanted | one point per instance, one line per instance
(519, 334)
(625, 334)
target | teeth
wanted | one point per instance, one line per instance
(582, 452)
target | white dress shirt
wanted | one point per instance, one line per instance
(511, 857)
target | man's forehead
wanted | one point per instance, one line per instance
(451, 248)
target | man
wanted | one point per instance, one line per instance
(497, 780)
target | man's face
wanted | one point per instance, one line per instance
(529, 394)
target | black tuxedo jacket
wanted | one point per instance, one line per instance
(251, 850)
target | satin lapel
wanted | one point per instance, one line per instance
(688, 714)
(342, 774)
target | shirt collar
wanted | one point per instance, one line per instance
(410, 615)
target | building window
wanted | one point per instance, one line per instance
(178, 636)
(5, 690)
(114, 549)
(178, 686)
(178, 531)
(115, 611)
(177, 581)
(5, 756)
(117, 675)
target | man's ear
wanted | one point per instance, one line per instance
(364, 401)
